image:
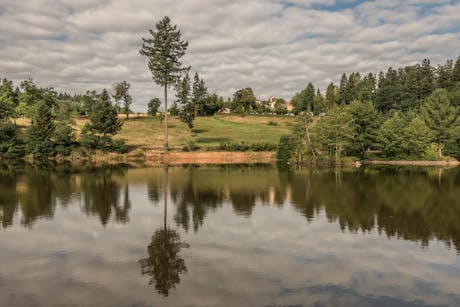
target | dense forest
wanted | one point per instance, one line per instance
(407, 113)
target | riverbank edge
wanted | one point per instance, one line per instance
(160, 158)
(449, 162)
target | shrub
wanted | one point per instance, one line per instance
(10, 146)
(119, 146)
(286, 147)
(191, 146)
(243, 146)
(64, 139)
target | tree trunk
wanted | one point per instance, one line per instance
(439, 150)
(166, 117)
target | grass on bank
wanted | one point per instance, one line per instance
(142, 132)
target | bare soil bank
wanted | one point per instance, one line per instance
(155, 158)
(158, 157)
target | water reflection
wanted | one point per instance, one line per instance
(164, 263)
(258, 236)
(410, 203)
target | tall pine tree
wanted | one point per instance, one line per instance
(164, 49)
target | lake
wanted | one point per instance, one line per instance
(230, 236)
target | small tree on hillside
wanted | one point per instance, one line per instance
(104, 123)
(121, 94)
(103, 118)
(199, 95)
(39, 134)
(153, 105)
(244, 100)
(187, 111)
(280, 106)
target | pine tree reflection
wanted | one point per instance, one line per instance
(164, 263)
(101, 195)
(8, 197)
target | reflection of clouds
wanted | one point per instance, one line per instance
(273, 257)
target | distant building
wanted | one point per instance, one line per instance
(224, 111)
(272, 101)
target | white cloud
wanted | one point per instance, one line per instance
(274, 46)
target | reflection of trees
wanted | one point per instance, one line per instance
(404, 203)
(101, 195)
(243, 202)
(8, 197)
(37, 200)
(164, 263)
(197, 197)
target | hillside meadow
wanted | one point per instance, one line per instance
(143, 132)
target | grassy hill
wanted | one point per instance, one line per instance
(147, 132)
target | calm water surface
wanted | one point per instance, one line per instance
(249, 236)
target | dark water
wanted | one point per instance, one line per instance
(230, 237)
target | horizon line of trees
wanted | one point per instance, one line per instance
(409, 113)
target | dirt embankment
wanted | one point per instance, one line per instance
(156, 158)
(178, 158)
(160, 157)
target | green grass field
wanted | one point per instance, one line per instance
(147, 133)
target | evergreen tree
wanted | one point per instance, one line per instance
(343, 88)
(308, 98)
(8, 101)
(366, 88)
(187, 111)
(39, 134)
(332, 95)
(426, 76)
(417, 138)
(367, 123)
(456, 71)
(352, 90)
(64, 138)
(391, 138)
(164, 49)
(199, 95)
(454, 95)
(303, 101)
(391, 93)
(10, 145)
(103, 117)
(445, 75)
(153, 106)
(319, 103)
(441, 117)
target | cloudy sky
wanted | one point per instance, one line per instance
(274, 46)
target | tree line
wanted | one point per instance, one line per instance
(52, 130)
(407, 113)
